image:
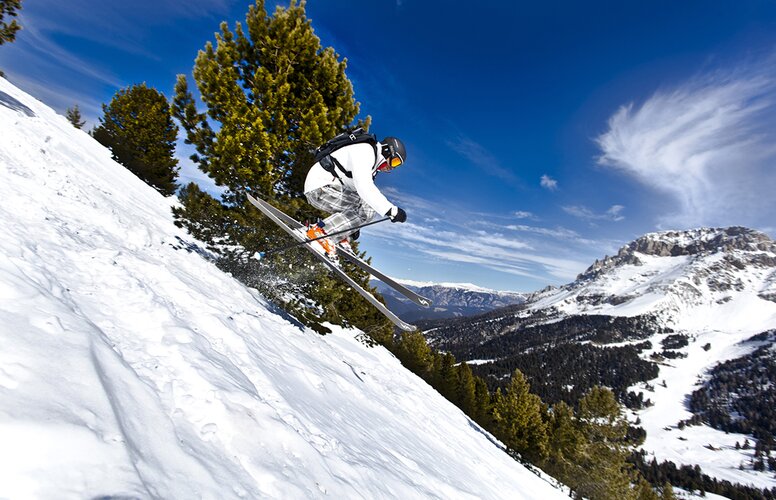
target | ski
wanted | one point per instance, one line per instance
(353, 258)
(291, 225)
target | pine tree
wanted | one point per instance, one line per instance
(435, 375)
(565, 439)
(482, 402)
(517, 415)
(414, 353)
(139, 131)
(273, 94)
(465, 390)
(608, 475)
(642, 490)
(73, 115)
(276, 94)
(8, 29)
(668, 492)
(448, 377)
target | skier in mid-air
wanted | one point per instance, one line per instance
(342, 184)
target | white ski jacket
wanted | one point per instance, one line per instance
(359, 160)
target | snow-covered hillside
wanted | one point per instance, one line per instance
(714, 285)
(133, 368)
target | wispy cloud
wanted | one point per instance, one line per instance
(548, 183)
(710, 144)
(557, 232)
(542, 255)
(39, 46)
(523, 214)
(499, 252)
(43, 61)
(613, 213)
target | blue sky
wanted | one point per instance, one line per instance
(540, 137)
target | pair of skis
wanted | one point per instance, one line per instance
(292, 227)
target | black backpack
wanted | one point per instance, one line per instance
(329, 163)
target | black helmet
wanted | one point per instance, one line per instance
(394, 151)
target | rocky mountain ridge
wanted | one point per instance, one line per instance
(760, 248)
(667, 272)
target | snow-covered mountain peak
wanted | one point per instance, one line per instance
(672, 274)
(694, 242)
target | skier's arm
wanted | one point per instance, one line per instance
(361, 160)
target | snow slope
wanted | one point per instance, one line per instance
(131, 367)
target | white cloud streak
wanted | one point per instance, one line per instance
(557, 233)
(613, 213)
(710, 144)
(540, 254)
(41, 62)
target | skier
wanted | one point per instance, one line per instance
(342, 184)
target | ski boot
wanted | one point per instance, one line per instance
(346, 243)
(323, 245)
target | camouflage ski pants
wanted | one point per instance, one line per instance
(346, 206)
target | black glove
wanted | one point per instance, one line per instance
(397, 214)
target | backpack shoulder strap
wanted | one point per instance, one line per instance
(331, 164)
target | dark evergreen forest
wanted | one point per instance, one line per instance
(740, 396)
(562, 359)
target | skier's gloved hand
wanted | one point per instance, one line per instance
(396, 214)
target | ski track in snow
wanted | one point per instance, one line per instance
(131, 367)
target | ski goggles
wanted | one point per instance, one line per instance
(395, 160)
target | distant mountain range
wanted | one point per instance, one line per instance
(450, 300)
(652, 322)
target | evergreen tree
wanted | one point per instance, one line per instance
(566, 441)
(139, 131)
(73, 115)
(435, 376)
(8, 29)
(642, 490)
(608, 475)
(482, 403)
(668, 492)
(465, 390)
(448, 377)
(414, 353)
(273, 94)
(517, 415)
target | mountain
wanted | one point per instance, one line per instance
(450, 300)
(653, 322)
(131, 367)
(673, 273)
